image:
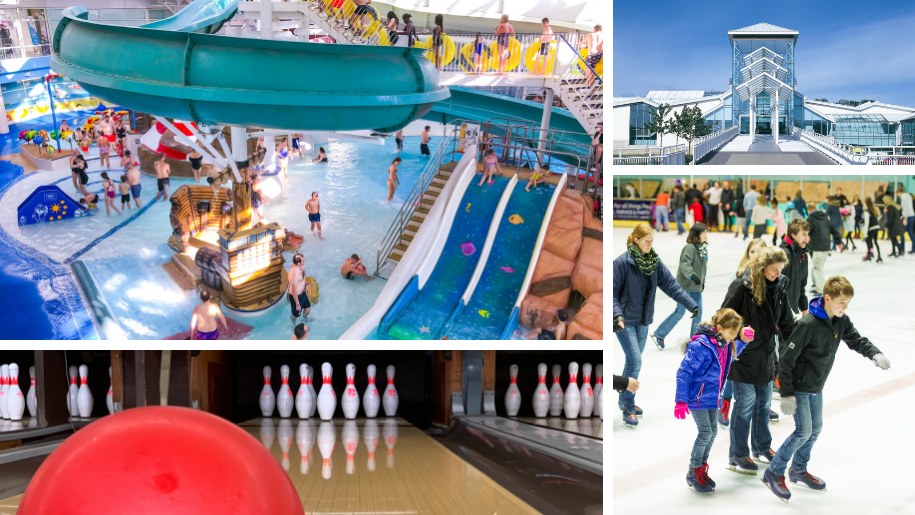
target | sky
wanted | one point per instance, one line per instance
(845, 49)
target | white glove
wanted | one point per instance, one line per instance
(789, 405)
(882, 361)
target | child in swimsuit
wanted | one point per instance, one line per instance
(490, 166)
(124, 186)
(196, 160)
(478, 54)
(109, 187)
(104, 152)
(536, 177)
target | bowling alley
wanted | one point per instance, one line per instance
(291, 432)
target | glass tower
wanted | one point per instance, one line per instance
(762, 78)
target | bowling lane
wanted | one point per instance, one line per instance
(590, 427)
(382, 465)
(9, 505)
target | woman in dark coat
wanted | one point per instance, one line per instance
(894, 226)
(760, 296)
(637, 274)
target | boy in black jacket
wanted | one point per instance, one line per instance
(806, 359)
(795, 246)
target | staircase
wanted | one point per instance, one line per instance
(322, 14)
(419, 215)
(586, 103)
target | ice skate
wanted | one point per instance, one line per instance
(630, 420)
(776, 484)
(696, 480)
(764, 456)
(724, 413)
(743, 466)
(658, 341)
(806, 478)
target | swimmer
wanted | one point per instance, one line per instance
(104, 152)
(124, 186)
(296, 147)
(424, 145)
(110, 188)
(557, 332)
(90, 201)
(313, 206)
(204, 320)
(353, 266)
(300, 332)
(545, 39)
(196, 159)
(504, 32)
(490, 166)
(477, 54)
(393, 181)
(282, 155)
(133, 178)
(398, 138)
(296, 292)
(321, 157)
(163, 171)
(121, 132)
(78, 167)
(126, 160)
(537, 176)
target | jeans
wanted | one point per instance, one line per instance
(679, 215)
(817, 276)
(713, 217)
(661, 217)
(668, 324)
(727, 392)
(707, 423)
(632, 339)
(808, 423)
(746, 223)
(909, 228)
(750, 401)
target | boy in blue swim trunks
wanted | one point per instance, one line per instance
(313, 206)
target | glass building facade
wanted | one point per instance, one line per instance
(640, 115)
(908, 132)
(762, 62)
(864, 130)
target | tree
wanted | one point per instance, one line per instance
(821, 99)
(690, 124)
(658, 124)
(854, 103)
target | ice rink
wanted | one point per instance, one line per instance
(865, 452)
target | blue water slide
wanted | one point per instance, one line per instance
(491, 303)
(204, 16)
(423, 309)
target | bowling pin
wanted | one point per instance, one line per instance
(600, 402)
(350, 437)
(312, 392)
(587, 393)
(84, 400)
(598, 386)
(390, 400)
(371, 399)
(74, 390)
(513, 394)
(305, 440)
(31, 399)
(556, 393)
(268, 399)
(370, 437)
(541, 393)
(4, 387)
(284, 435)
(327, 398)
(390, 440)
(303, 400)
(15, 401)
(284, 400)
(571, 402)
(350, 400)
(327, 438)
(109, 397)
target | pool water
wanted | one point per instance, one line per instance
(426, 314)
(491, 304)
(125, 253)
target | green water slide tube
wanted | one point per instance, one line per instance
(169, 70)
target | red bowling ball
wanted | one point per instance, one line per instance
(158, 460)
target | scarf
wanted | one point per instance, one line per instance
(646, 263)
(703, 250)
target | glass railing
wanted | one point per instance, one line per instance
(669, 155)
(708, 144)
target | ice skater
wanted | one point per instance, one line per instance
(871, 220)
(804, 365)
(690, 277)
(637, 274)
(760, 297)
(700, 378)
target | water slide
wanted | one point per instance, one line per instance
(168, 69)
(424, 307)
(480, 106)
(489, 308)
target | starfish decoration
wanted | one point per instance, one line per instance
(424, 329)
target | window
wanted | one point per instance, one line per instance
(640, 115)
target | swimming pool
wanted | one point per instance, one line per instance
(124, 254)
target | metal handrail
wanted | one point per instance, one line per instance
(707, 144)
(413, 201)
(582, 59)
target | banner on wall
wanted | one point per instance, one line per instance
(628, 209)
(33, 32)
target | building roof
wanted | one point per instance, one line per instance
(763, 28)
(680, 94)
